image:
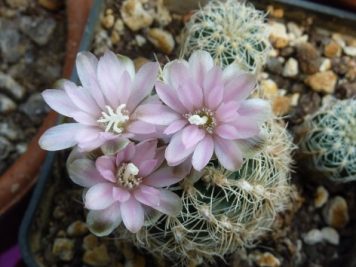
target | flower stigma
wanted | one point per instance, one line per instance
(126, 176)
(204, 118)
(114, 121)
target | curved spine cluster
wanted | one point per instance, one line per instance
(232, 32)
(330, 140)
(225, 210)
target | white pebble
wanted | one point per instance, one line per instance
(290, 68)
(330, 235)
(313, 237)
(325, 65)
(350, 50)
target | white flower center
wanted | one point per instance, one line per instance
(198, 120)
(203, 118)
(126, 176)
(114, 121)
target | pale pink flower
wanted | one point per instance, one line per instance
(102, 107)
(126, 186)
(207, 111)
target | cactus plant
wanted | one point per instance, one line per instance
(231, 32)
(330, 140)
(224, 210)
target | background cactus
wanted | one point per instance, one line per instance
(223, 210)
(231, 32)
(330, 140)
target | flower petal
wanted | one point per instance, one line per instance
(228, 154)
(192, 135)
(169, 96)
(103, 222)
(169, 203)
(143, 84)
(190, 95)
(132, 214)
(156, 114)
(83, 173)
(230, 71)
(128, 65)
(109, 73)
(99, 196)
(227, 111)
(84, 118)
(258, 110)
(106, 167)
(164, 176)
(200, 63)
(146, 167)
(145, 150)
(60, 137)
(203, 153)
(213, 79)
(176, 152)
(120, 194)
(239, 87)
(147, 195)
(175, 127)
(126, 154)
(81, 98)
(170, 77)
(141, 127)
(59, 101)
(246, 127)
(86, 67)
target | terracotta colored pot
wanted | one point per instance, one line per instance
(21, 176)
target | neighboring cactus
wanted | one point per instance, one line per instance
(330, 140)
(231, 32)
(223, 210)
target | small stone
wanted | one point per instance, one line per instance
(52, 5)
(278, 13)
(308, 58)
(140, 40)
(6, 104)
(325, 65)
(336, 213)
(21, 148)
(63, 248)
(89, 242)
(281, 105)
(77, 228)
(267, 259)
(321, 196)
(313, 237)
(346, 90)
(19, 4)
(161, 39)
(338, 38)
(98, 256)
(290, 68)
(12, 44)
(351, 75)
(5, 148)
(108, 20)
(269, 88)
(135, 16)
(137, 261)
(35, 108)
(39, 29)
(294, 99)
(138, 62)
(330, 235)
(341, 65)
(278, 35)
(162, 15)
(332, 49)
(273, 65)
(10, 131)
(350, 50)
(287, 51)
(11, 87)
(294, 29)
(322, 82)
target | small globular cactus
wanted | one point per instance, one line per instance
(224, 210)
(231, 32)
(330, 140)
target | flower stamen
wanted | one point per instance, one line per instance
(114, 121)
(204, 118)
(127, 176)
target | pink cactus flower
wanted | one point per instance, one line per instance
(102, 107)
(206, 110)
(126, 186)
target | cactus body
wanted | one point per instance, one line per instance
(223, 211)
(330, 140)
(231, 32)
